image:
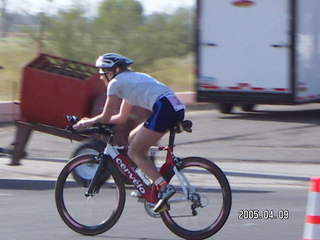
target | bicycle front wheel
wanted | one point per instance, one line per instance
(94, 214)
(202, 203)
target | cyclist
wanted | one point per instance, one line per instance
(138, 89)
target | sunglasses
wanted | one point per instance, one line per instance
(103, 71)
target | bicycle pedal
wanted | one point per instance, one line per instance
(165, 208)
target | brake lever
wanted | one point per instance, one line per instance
(73, 119)
(72, 130)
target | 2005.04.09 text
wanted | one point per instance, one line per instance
(256, 214)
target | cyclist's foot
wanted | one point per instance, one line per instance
(164, 196)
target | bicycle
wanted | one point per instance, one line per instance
(198, 209)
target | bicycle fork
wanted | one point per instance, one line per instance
(96, 181)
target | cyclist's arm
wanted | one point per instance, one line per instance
(104, 117)
(123, 115)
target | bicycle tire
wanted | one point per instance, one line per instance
(212, 188)
(89, 215)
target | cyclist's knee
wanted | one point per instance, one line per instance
(131, 136)
(133, 133)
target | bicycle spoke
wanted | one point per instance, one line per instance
(89, 213)
(205, 207)
(89, 210)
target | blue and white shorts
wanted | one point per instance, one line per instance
(167, 111)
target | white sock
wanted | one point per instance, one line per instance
(158, 181)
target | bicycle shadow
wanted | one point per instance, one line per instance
(310, 116)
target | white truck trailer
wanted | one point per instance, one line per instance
(258, 52)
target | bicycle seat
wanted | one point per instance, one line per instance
(185, 125)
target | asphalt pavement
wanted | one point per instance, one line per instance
(268, 156)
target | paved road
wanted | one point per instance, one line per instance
(28, 212)
(268, 156)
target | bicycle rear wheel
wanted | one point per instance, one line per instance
(89, 215)
(205, 208)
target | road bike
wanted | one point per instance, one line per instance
(92, 204)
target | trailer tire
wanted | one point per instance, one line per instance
(247, 107)
(225, 108)
(90, 146)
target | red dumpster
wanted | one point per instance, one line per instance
(53, 87)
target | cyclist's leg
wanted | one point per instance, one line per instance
(141, 140)
(164, 117)
(133, 133)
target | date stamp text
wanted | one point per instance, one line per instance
(266, 214)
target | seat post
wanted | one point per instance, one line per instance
(172, 137)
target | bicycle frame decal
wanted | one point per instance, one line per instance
(132, 175)
(150, 195)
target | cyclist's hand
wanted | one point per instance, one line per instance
(82, 124)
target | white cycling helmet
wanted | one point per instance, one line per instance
(107, 62)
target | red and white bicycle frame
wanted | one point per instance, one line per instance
(149, 193)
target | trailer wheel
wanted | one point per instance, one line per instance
(247, 107)
(225, 108)
(84, 174)
(90, 146)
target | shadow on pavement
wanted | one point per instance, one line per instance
(21, 184)
(268, 176)
(14, 184)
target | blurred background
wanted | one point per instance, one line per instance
(158, 35)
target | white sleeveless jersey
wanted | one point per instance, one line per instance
(138, 89)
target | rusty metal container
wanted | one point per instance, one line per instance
(53, 87)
